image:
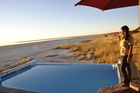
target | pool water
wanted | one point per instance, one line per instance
(64, 78)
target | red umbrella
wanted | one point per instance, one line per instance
(108, 4)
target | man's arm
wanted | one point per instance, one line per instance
(130, 53)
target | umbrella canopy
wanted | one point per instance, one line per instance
(108, 4)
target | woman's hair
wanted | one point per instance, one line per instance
(126, 29)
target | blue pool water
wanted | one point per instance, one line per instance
(64, 78)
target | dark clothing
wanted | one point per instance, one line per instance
(126, 69)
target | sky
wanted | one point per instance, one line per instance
(22, 20)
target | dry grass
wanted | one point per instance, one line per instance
(65, 46)
(105, 49)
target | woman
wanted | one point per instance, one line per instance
(126, 47)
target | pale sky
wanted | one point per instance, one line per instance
(22, 20)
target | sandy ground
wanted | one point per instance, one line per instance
(13, 53)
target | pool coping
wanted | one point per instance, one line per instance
(9, 71)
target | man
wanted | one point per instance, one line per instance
(126, 47)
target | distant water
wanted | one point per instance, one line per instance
(41, 40)
(32, 41)
(65, 78)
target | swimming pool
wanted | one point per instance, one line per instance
(62, 78)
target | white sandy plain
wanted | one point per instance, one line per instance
(13, 53)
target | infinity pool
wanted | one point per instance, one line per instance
(63, 78)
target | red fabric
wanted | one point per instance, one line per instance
(108, 4)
